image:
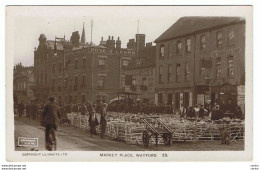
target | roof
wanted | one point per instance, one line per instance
(189, 25)
(50, 44)
(146, 58)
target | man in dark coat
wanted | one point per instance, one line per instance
(50, 117)
(83, 109)
(103, 120)
(190, 112)
(217, 113)
(93, 121)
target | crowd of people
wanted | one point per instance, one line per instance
(29, 109)
(215, 112)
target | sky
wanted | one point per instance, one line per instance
(118, 21)
(107, 21)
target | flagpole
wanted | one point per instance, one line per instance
(92, 64)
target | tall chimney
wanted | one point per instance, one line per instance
(140, 42)
(118, 43)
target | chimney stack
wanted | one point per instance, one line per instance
(150, 44)
(74, 39)
(140, 42)
(118, 43)
(110, 42)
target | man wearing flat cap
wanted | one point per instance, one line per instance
(51, 116)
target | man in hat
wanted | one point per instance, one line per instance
(103, 120)
(50, 117)
(93, 121)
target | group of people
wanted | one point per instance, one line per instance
(128, 106)
(91, 110)
(52, 115)
(215, 113)
(29, 110)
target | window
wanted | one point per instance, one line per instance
(179, 47)
(160, 74)
(219, 39)
(125, 63)
(202, 68)
(67, 65)
(53, 68)
(84, 63)
(203, 42)
(76, 64)
(218, 67)
(231, 36)
(171, 48)
(133, 82)
(178, 72)
(144, 81)
(101, 62)
(187, 71)
(162, 51)
(60, 67)
(83, 82)
(76, 83)
(138, 61)
(230, 66)
(170, 73)
(188, 45)
(101, 82)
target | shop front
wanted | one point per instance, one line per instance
(202, 95)
(225, 95)
(183, 97)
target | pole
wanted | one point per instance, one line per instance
(92, 64)
(63, 84)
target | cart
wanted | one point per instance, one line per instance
(161, 130)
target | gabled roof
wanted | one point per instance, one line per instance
(189, 25)
(146, 58)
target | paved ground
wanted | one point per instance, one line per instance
(75, 139)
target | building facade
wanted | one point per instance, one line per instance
(23, 81)
(201, 60)
(140, 74)
(75, 71)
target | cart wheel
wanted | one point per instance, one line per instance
(146, 138)
(167, 139)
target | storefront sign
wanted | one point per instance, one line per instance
(101, 50)
(220, 53)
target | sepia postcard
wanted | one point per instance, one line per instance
(129, 83)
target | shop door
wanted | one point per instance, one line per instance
(186, 99)
(160, 98)
(169, 99)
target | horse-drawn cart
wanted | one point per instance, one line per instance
(157, 128)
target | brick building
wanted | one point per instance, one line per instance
(140, 73)
(201, 60)
(75, 71)
(23, 82)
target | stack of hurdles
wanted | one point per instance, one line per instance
(129, 128)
